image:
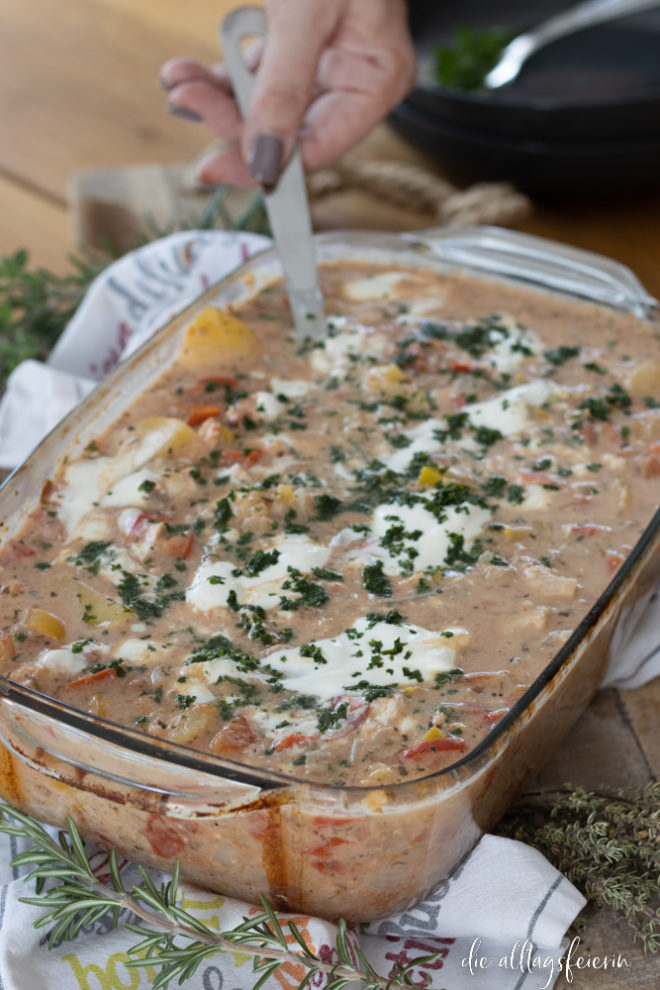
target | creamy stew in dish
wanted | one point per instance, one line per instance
(343, 560)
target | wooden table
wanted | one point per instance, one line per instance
(78, 90)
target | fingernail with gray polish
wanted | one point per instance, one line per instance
(183, 112)
(165, 85)
(266, 159)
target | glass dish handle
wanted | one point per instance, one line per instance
(540, 261)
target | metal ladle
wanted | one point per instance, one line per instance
(286, 205)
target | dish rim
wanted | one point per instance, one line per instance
(186, 757)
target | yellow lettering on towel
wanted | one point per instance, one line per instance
(108, 978)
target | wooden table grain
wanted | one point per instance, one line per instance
(79, 91)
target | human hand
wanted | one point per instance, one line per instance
(327, 73)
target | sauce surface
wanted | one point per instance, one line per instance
(345, 560)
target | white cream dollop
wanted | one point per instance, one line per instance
(214, 580)
(379, 653)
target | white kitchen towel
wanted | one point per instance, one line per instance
(497, 924)
(499, 921)
(129, 301)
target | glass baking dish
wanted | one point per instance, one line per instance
(241, 830)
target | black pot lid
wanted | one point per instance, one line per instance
(601, 83)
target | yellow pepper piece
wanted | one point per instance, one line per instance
(214, 339)
(45, 623)
(516, 533)
(429, 476)
(376, 800)
(433, 734)
(393, 373)
(97, 609)
(227, 434)
(284, 493)
(164, 433)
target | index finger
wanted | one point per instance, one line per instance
(297, 33)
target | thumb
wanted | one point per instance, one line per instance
(297, 33)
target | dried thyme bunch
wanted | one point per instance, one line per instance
(606, 843)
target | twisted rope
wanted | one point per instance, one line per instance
(409, 185)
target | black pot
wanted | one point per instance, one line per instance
(583, 116)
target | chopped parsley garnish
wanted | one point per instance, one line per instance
(310, 595)
(325, 574)
(560, 355)
(485, 435)
(293, 527)
(313, 651)
(329, 718)
(223, 514)
(370, 692)
(376, 581)
(90, 555)
(260, 560)
(600, 407)
(456, 422)
(327, 507)
(448, 675)
(185, 700)
(458, 552)
(220, 646)
(495, 486)
(477, 337)
(131, 590)
(596, 407)
(252, 621)
(80, 645)
(116, 665)
(515, 494)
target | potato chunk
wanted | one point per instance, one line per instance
(644, 380)
(215, 339)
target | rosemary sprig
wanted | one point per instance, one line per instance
(172, 940)
(606, 843)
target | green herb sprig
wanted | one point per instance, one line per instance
(172, 940)
(606, 843)
(36, 304)
(471, 55)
